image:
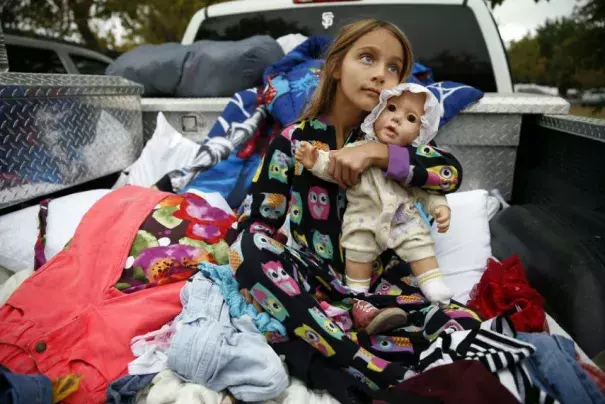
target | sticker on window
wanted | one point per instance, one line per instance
(327, 19)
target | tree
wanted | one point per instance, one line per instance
(591, 14)
(562, 48)
(566, 53)
(143, 21)
(494, 3)
(153, 21)
(526, 63)
(52, 18)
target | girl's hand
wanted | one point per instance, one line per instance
(348, 163)
(442, 217)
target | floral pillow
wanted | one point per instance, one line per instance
(181, 231)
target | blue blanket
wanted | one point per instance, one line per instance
(454, 97)
(292, 81)
(236, 171)
(289, 84)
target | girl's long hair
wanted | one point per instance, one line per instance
(325, 92)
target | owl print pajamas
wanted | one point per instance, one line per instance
(290, 282)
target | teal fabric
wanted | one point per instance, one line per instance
(222, 276)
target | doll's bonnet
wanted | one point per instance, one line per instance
(429, 122)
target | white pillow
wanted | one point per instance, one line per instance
(463, 251)
(167, 150)
(19, 230)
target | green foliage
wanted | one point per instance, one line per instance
(526, 62)
(566, 53)
(90, 22)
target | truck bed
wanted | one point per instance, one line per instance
(484, 137)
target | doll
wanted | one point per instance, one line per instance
(383, 214)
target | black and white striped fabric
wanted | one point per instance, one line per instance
(495, 347)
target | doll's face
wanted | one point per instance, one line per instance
(399, 122)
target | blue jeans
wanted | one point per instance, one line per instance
(24, 389)
(218, 352)
(125, 389)
(554, 368)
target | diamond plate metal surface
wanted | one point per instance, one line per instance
(519, 103)
(48, 143)
(481, 130)
(149, 124)
(486, 167)
(16, 85)
(184, 104)
(591, 128)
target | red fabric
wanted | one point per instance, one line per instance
(466, 382)
(68, 317)
(596, 374)
(504, 290)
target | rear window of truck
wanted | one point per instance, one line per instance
(87, 65)
(446, 38)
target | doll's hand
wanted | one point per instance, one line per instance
(306, 154)
(442, 217)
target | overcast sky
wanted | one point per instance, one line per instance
(516, 18)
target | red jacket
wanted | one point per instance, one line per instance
(69, 318)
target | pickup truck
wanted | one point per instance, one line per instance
(67, 133)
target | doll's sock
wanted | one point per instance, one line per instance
(434, 289)
(358, 285)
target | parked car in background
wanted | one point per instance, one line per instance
(535, 89)
(594, 96)
(32, 55)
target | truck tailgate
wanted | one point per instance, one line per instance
(193, 117)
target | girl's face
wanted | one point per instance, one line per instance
(399, 123)
(373, 63)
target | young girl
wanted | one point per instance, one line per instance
(381, 213)
(366, 57)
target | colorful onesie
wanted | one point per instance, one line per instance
(288, 282)
(381, 214)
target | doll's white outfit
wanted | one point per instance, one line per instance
(381, 214)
